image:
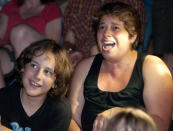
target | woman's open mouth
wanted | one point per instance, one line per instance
(108, 46)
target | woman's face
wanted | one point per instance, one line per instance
(113, 39)
(33, 2)
(38, 77)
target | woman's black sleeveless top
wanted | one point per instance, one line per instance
(97, 101)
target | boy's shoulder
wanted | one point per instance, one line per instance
(58, 108)
(59, 104)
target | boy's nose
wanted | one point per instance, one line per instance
(38, 75)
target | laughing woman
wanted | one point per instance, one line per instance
(120, 76)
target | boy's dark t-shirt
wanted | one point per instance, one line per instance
(53, 115)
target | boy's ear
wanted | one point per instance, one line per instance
(53, 86)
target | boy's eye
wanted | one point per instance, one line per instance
(34, 66)
(47, 72)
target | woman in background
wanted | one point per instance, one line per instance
(23, 22)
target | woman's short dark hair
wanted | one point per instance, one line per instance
(125, 13)
(63, 68)
(20, 2)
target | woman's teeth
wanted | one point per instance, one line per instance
(108, 46)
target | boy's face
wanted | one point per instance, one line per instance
(38, 77)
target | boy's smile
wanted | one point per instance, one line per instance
(38, 76)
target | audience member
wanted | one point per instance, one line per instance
(78, 24)
(36, 102)
(163, 30)
(131, 119)
(120, 76)
(23, 22)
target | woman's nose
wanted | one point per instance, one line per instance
(107, 32)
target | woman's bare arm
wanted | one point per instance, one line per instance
(158, 91)
(76, 97)
(54, 29)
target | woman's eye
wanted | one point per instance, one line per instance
(115, 28)
(101, 27)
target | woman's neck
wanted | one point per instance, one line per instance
(32, 4)
(28, 10)
(122, 64)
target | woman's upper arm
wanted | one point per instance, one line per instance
(76, 96)
(158, 91)
(53, 17)
(3, 25)
(54, 29)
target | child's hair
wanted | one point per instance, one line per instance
(125, 13)
(131, 119)
(63, 68)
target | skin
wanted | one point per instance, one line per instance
(116, 70)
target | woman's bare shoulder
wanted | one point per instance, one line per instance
(155, 67)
